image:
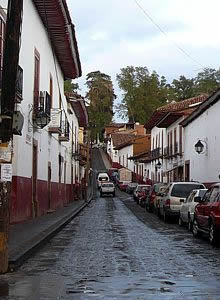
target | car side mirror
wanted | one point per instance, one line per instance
(198, 199)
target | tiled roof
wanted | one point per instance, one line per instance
(120, 138)
(173, 107)
(211, 100)
(182, 105)
(130, 141)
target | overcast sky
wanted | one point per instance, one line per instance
(116, 33)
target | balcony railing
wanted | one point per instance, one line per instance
(172, 150)
(19, 85)
(65, 129)
(156, 153)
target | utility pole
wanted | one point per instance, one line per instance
(9, 76)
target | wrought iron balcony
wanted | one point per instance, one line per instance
(156, 153)
(65, 129)
(19, 85)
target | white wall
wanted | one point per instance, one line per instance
(126, 152)
(170, 163)
(204, 167)
(156, 134)
(34, 36)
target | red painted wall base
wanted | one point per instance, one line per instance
(21, 198)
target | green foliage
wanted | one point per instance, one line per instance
(70, 87)
(207, 81)
(101, 98)
(183, 88)
(142, 93)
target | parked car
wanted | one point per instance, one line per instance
(123, 185)
(188, 207)
(174, 196)
(102, 177)
(159, 196)
(107, 188)
(138, 190)
(131, 187)
(143, 195)
(151, 201)
(207, 214)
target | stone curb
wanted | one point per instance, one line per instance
(45, 236)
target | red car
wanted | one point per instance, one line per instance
(207, 214)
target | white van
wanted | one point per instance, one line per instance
(102, 177)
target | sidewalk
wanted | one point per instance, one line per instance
(105, 159)
(26, 238)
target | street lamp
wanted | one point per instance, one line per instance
(199, 147)
(159, 165)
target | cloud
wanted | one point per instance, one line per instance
(114, 34)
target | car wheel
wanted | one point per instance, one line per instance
(180, 222)
(113, 194)
(195, 229)
(190, 224)
(212, 234)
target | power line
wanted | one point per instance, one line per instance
(164, 33)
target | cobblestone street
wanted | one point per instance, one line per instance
(116, 250)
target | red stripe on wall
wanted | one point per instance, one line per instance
(21, 198)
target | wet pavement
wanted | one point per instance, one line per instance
(114, 249)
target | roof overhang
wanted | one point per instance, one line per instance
(79, 108)
(154, 119)
(56, 19)
(169, 119)
(215, 97)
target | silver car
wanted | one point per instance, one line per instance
(188, 207)
(107, 188)
(174, 196)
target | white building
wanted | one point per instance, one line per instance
(203, 125)
(44, 171)
(167, 145)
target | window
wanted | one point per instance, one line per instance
(175, 144)
(171, 142)
(214, 194)
(127, 161)
(191, 196)
(183, 190)
(180, 139)
(36, 78)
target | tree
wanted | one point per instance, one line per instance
(142, 93)
(101, 97)
(70, 86)
(183, 88)
(207, 81)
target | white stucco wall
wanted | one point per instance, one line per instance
(34, 36)
(204, 167)
(126, 152)
(169, 164)
(157, 133)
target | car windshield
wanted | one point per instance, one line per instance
(183, 190)
(202, 193)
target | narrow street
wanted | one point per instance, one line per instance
(116, 250)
